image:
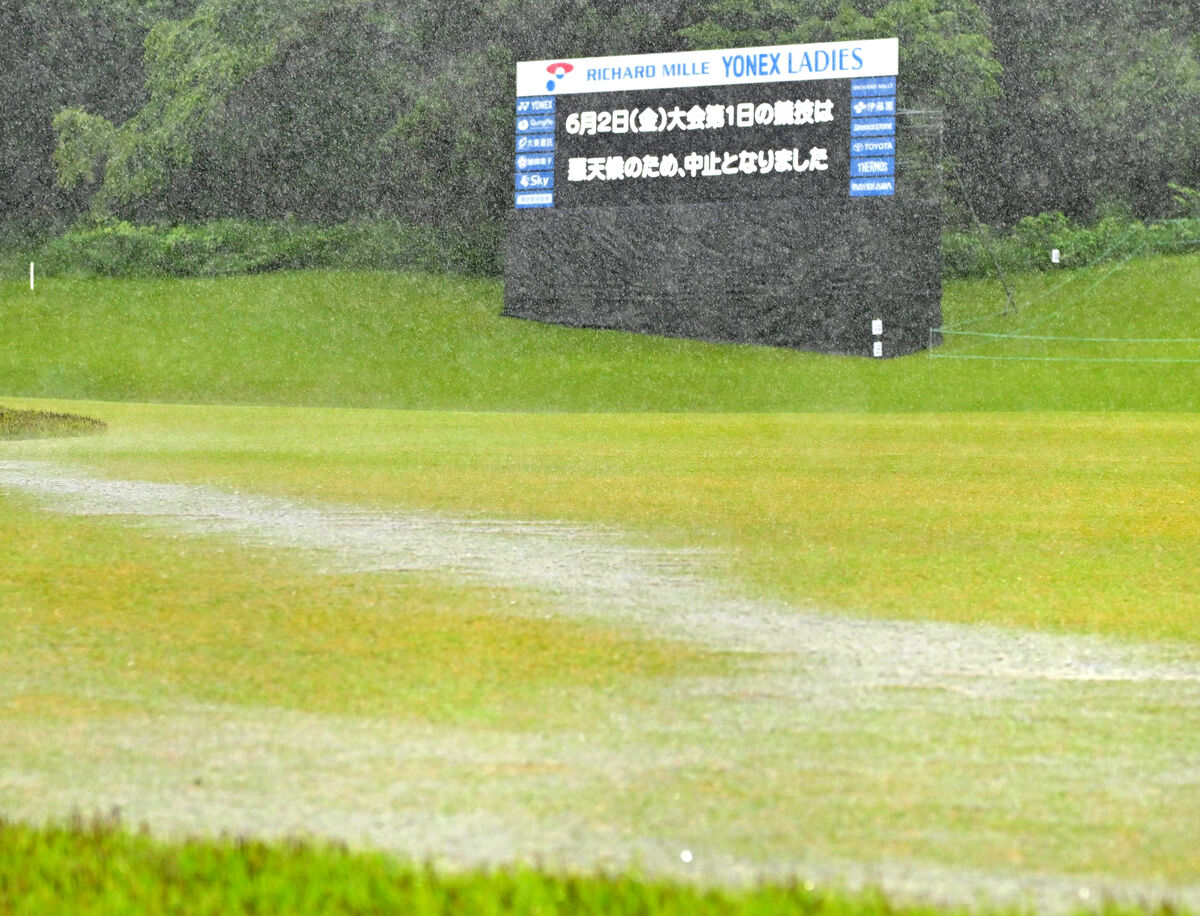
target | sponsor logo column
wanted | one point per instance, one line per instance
(873, 137)
(535, 143)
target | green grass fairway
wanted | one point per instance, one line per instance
(1080, 523)
(387, 340)
(243, 626)
(1112, 312)
(212, 682)
(190, 646)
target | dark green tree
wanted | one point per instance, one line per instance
(55, 54)
(327, 109)
(1098, 107)
(332, 109)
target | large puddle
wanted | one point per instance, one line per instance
(596, 572)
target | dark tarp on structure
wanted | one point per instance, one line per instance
(811, 274)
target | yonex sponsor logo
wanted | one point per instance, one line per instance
(537, 105)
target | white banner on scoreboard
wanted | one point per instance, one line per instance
(724, 67)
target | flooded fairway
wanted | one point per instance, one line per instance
(942, 761)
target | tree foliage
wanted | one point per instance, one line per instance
(1098, 106)
(326, 110)
(56, 54)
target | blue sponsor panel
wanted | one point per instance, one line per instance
(532, 200)
(535, 181)
(873, 146)
(874, 85)
(535, 162)
(875, 107)
(866, 168)
(536, 105)
(535, 143)
(873, 187)
(872, 127)
(536, 124)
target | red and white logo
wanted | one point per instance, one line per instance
(558, 70)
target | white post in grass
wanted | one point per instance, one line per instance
(31, 276)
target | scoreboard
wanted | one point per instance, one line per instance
(614, 154)
(707, 125)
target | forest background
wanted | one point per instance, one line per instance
(325, 113)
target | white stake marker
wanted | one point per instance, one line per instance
(31, 276)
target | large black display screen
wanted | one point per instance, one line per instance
(702, 145)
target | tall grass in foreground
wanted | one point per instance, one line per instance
(98, 868)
